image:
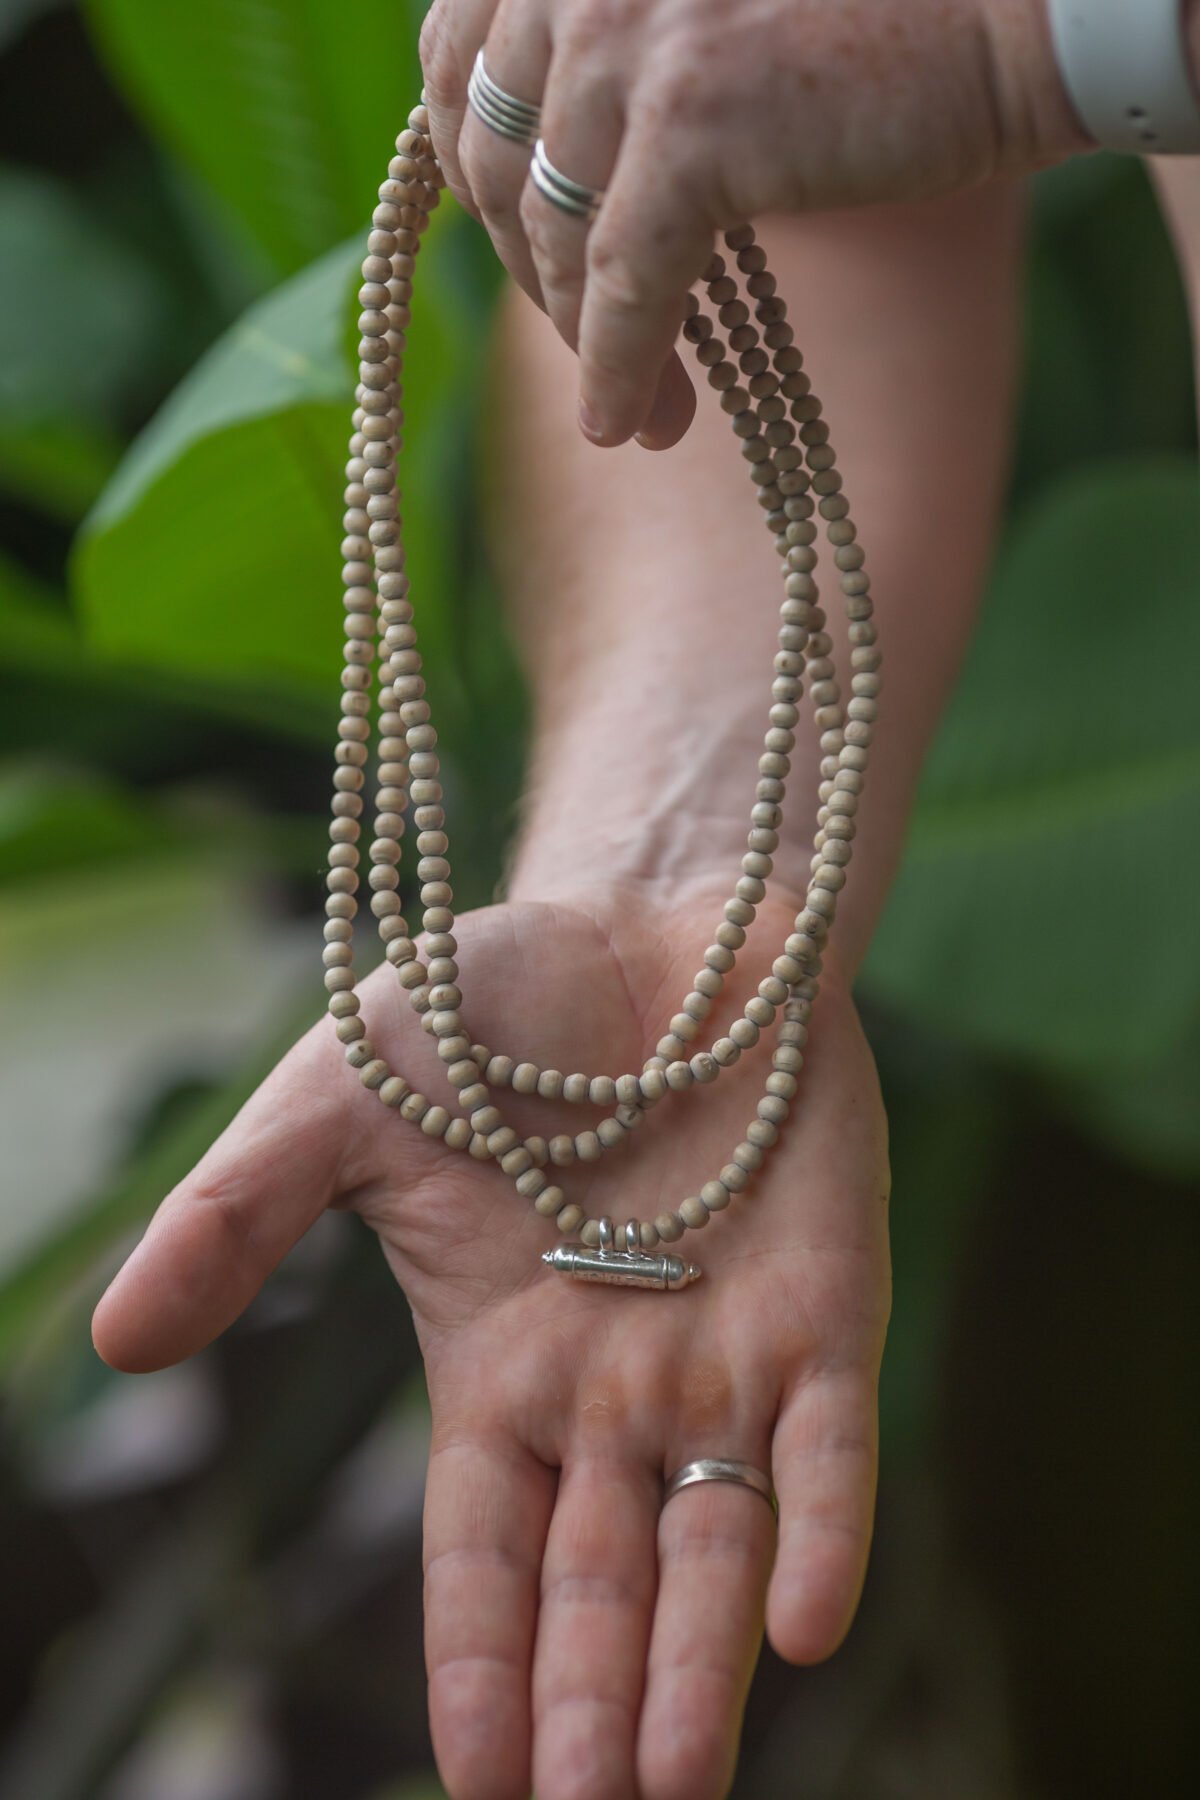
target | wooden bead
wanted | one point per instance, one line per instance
(694, 1213)
(570, 1218)
(669, 1226)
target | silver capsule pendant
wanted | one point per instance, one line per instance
(630, 1267)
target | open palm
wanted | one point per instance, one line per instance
(581, 1638)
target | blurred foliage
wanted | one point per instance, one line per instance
(175, 332)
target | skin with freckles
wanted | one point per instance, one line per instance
(693, 115)
(578, 1639)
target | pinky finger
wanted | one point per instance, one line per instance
(824, 1462)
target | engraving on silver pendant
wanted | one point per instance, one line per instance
(630, 1267)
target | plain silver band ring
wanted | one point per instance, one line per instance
(510, 118)
(569, 196)
(720, 1468)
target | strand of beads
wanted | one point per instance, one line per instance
(409, 770)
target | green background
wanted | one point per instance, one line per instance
(213, 1574)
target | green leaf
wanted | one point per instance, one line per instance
(215, 549)
(54, 373)
(289, 109)
(1108, 361)
(55, 819)
(1046, 906)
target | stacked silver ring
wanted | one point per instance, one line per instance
(569, 196)
(517, 120)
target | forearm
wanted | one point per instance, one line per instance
(644, 590)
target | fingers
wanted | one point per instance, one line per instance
(582, 120)
(450, 37)
(649, 245)
(487, 1507)
(215, 1239)
(716, 1542)
(824, 1463)
(517, 56)
(598, 1587)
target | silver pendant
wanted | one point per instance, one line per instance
(630, 1267)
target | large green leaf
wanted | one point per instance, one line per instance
(288, 108)
(1046, 908)
(51, 365)
(215, 549)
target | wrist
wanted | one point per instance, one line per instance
(1038, 123)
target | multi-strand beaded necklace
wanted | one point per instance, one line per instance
(758, 373)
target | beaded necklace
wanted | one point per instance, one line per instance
(773, 411)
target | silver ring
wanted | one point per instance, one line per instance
(721, 1468)
(502, 113)
(569, 196)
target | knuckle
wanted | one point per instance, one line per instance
(439, 64)
(616, 280)
(558, 271)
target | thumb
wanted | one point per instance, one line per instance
(219, 1234)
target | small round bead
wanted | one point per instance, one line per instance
(734, 1177)
(435, 1122)
(515, 1162)
(530, 1183)
(575, 1088)
(704, 1067)
(669, 1226)
(562, 1150)
(715, 1196)
(550, 1084)
(570, 1218)
(694, 1213)
(525, 1078)
(394, 1090)
(679, 1076)
(602, 1090)
(772, 1109)
(587, 1146)
(610, 1132)
(500, 1141)
(653, 1084)
(762, 1133)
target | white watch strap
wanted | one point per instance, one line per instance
(1125, 65)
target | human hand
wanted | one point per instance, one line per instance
(577, 1640)
(694, 116)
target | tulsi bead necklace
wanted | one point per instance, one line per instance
(758, 373)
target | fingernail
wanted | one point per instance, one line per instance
(589, 424)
